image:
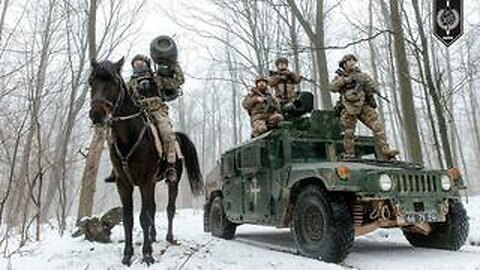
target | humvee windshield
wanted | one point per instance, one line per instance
(362, 151)
(309, 150)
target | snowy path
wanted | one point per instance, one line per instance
(254, 247)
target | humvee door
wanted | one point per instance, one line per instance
(253, 167)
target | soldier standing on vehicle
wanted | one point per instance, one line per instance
(283, 81)
(358, 103)
(262, 107)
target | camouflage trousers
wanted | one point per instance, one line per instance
(164, 127)
(260, 124)
(369, 117)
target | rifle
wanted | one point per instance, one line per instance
(303, 78)
(268, 100)
(359, 83)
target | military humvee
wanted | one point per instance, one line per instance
(294, 177)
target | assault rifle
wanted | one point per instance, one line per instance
(360, 84)
(273, 73)
(268, 100)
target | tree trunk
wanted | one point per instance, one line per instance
(322, 58)
(451, 113)
(294, 40)
(411, 129)
(373, 59)
(394, 109)
(317, 38)
(442, 125)
(87, 191)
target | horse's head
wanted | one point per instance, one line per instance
(107, 91)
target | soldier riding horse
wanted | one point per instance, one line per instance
(135, 159)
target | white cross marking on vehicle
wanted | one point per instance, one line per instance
(254, 189)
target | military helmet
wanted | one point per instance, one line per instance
(345, 58)
(141, 57)
(281, 60)
(261, 78)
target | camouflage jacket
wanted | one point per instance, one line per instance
(169, 76)
(145, 92)
(284, 84)
(356, 89)
(259, 110)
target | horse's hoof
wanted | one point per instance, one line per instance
(171, 240)
(153, 238)
(126, 260)
(148, 259)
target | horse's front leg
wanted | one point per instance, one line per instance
(147, 192)
(125, 190)
(172, 197)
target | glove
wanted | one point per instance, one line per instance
(288, 107)
(145, 85)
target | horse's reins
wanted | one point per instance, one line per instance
(113, 119)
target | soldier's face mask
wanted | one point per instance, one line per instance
(350, 64)
(282, 66)
(140, 67)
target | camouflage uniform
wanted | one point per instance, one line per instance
(284, 81)
(263, 115)
(157, 108)
(169, 77)
(358, 103)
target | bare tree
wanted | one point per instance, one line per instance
(316, 34)
(411, 128)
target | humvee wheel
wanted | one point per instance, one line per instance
(220, 226)
(450, 235)
(322, 226)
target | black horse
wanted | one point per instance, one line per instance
(135, 159)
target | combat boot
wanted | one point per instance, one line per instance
(390, 153)
(110, 178)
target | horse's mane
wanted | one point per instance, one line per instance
(104, 70)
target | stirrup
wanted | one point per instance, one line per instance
(110, 179)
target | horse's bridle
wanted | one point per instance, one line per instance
(119, 102)
(113, 118)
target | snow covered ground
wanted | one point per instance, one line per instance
(254, 247)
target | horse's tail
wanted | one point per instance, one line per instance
(191, 163)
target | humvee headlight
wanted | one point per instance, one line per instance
(446, 182)
(385, 182)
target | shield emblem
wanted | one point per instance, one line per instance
(448, 20)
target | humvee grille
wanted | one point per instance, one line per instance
(250, 157)
(416, 183)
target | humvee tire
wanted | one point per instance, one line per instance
(220, 226)
(450, 235)
(322, 226)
